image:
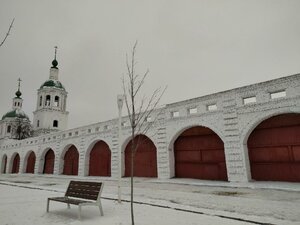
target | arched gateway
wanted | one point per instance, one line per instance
(145, 162)
(71, 159)
(16, 164)
(49, 162)
(274, 149)
(199, 153)
(100, 160)
(30, 163)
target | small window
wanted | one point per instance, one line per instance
(249, 100)
(106, 127)
(18, 103)
(70, 134)
(38, 124)
(89, 130)
(97, 129)
(8, 129)
(174, 114)
(56, 101)
(192, 110)
(212, 107)
(278, 94)
(15, 104)
(76, 132)
(41, 99)
(47, 102)
(55, 123)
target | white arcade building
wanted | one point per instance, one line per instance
(246, 134)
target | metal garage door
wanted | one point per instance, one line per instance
(49, 162)
(100, 157)
(30, 163)
(199, 153)
(145, 163)
(16, 164)
(71, 161)
(274, 149)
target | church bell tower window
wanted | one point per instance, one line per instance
(56, 101)
(48, 98)
(55, 123)
(8, 129)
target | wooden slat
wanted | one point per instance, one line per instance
(85, 190)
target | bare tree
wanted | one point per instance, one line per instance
(21, 129)
(139, 108)
(8, 32)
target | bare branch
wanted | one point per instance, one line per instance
(8, 32)
(137, 113)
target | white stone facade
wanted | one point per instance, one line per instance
(232, 115)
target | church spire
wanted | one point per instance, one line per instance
(54, 62)
(17, 101)
(19, 93)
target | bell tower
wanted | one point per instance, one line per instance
(50, 114)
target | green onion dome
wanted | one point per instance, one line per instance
(16, 113)
(52, 83)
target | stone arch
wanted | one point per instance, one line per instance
(47, 161)
(186, 126)
(15, 163)
(198, 153)
(255, 120)
(29, 162)
(70, 160)
(145, 162)
(274, 148)
(259, 118)
(4, 163)
(98, 159)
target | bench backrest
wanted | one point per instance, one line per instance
(84, 189)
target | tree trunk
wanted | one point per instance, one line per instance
(131, 177)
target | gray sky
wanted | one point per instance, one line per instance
(195, 47)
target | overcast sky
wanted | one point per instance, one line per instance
(195, 47)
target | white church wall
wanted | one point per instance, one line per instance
(232, 120)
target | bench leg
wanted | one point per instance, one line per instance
(100, 208)
(69, 205)
(79, 212)
(47, 205)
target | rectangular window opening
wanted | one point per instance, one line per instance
(249, 100)
(278, 94)
(212, 107)
(174, 114)
(192, 110)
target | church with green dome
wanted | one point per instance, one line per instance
(15, 123)
(49, 116)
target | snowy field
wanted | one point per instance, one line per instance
(23, 201)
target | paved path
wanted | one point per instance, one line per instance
(254, 205)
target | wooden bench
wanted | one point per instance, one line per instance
(81, 193)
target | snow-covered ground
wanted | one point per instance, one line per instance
(23, 201)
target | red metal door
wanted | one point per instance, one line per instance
(71, 161)
(49, 162)
(274, 149)
(145, 163)
(30, 163)
(100, 158)
(16, 164)
(4, 161)
(199, 153)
